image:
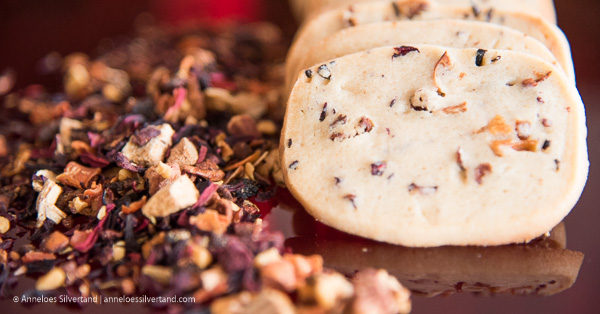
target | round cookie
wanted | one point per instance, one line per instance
(443, 32)
(427, 145)
(543, 8)
(328, 23)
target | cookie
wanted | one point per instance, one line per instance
(427, 145)
(326, 24)
(543, 8)
(443, 32)
(299, 8)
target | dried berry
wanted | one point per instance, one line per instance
(308, 73)
(294, 165)
(323, 113)
(490, 13)
(337, 136)
(546, 144)
(481, 171)
(365, 125)
(378, 168)
(476, 10)
(479, 57)
(523, 129)
(547, 123)
(403, 50)
(244, 188)
(340, 120)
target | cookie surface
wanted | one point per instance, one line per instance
(543, 8)
(443, 32)
(429, 146)
(326, 24)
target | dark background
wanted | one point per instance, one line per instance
(30, 29)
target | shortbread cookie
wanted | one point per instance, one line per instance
(427, 146)
(543, 8)
(299, 9)
(443, 32)
(326, 24)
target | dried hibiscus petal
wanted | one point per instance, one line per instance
(365, 125)
(143, 136)
(93, 160)
(481, 171)
(340, 120)
(124, 163)
(235, 256)
(403, 51)
(84, 242)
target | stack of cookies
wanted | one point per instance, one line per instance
(428, 123)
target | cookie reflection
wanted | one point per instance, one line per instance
(541, 267)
